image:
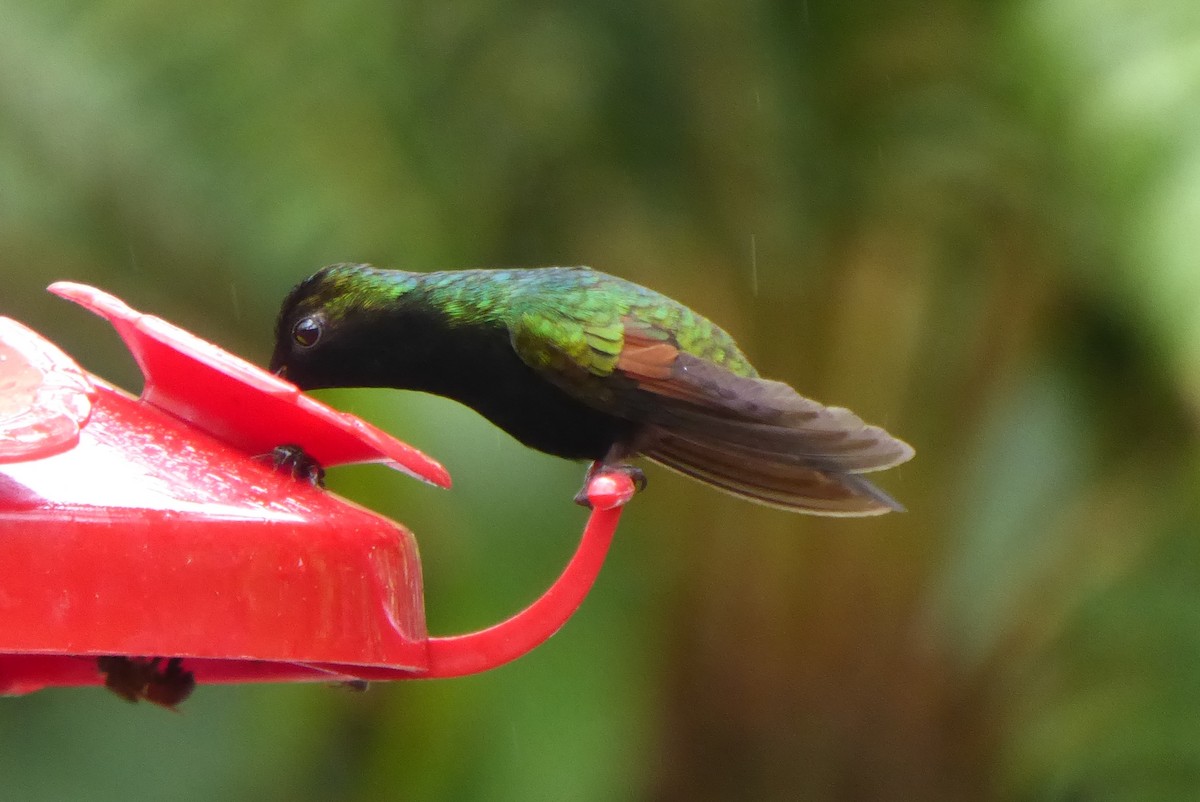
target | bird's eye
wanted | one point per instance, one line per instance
(306, 332)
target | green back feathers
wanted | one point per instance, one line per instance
(560, 318)
(586, 315)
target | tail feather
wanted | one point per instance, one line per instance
(762, 440)
(857, 448)
(764, 416)
(768, 478)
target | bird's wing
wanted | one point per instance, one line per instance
(723, 425)
(637, 370)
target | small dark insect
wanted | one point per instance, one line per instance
(136, 678)
(295, 460)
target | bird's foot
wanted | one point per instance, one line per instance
(600, 469)
(295, 461)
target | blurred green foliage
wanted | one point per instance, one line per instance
(972, 222)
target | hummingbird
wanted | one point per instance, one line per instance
(583, 365)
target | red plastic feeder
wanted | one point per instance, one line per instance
(159, 526)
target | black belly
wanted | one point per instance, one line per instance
(543, 417)
(488, 376)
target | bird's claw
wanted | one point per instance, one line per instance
(636, 475)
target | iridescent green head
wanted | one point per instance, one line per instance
(325, 323)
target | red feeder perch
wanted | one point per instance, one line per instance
(159, 527)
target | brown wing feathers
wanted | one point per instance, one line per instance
(787, 486)
(755, 437)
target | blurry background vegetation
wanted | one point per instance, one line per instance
(974, 223)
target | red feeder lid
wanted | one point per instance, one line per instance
(159, 526)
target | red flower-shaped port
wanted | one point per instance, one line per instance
(154, 538)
